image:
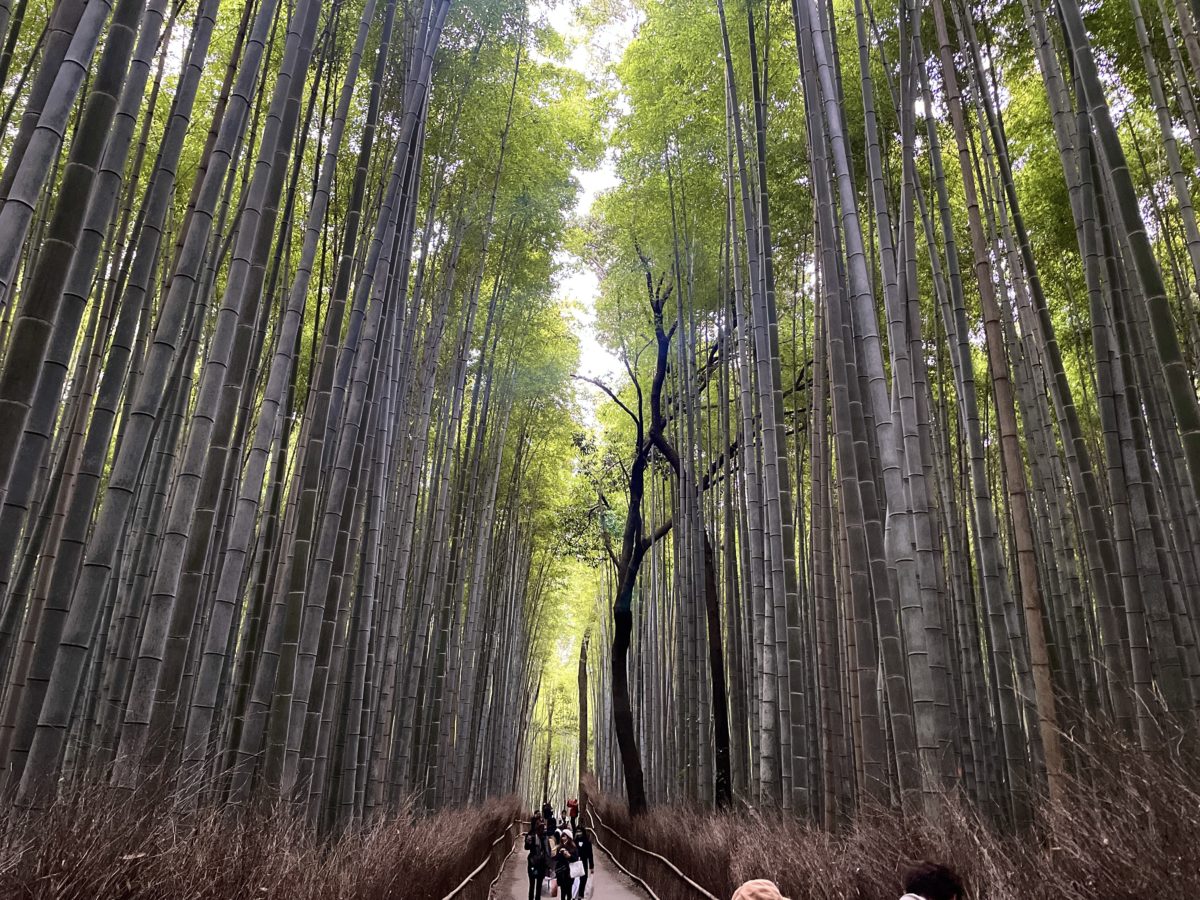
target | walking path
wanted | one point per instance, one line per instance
(611, 882)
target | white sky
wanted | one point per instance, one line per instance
(577, 286)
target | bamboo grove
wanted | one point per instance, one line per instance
(283, 395)
(897, 484)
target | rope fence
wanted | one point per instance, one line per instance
(458, 892)
(696, 889)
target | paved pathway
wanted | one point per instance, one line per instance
(611, 882)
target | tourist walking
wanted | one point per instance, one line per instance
(538, 861)
(584, 843)
(566, 855)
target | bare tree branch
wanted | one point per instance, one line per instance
(597, 383)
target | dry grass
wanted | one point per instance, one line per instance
(1130, 832)
(96, 843)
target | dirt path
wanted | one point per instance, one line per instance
(611, 882)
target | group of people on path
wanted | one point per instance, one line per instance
(560, 859)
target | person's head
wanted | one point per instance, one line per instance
(533, 822)
(580, 836)
(539, 825)
(933, 882)
(758, 889)
(568, 842)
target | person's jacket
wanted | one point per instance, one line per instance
(531, 841)
(585, 852)
(562, 861)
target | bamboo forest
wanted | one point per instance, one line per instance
(774, 424)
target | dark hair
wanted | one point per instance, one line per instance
(934, 882)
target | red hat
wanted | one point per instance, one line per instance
(758, 889)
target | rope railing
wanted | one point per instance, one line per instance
(483, 865)
(616, 862)
(595, 816)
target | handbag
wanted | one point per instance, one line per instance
(577, 870)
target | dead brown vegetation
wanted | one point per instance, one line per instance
(1127, 829)
(97, 842)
